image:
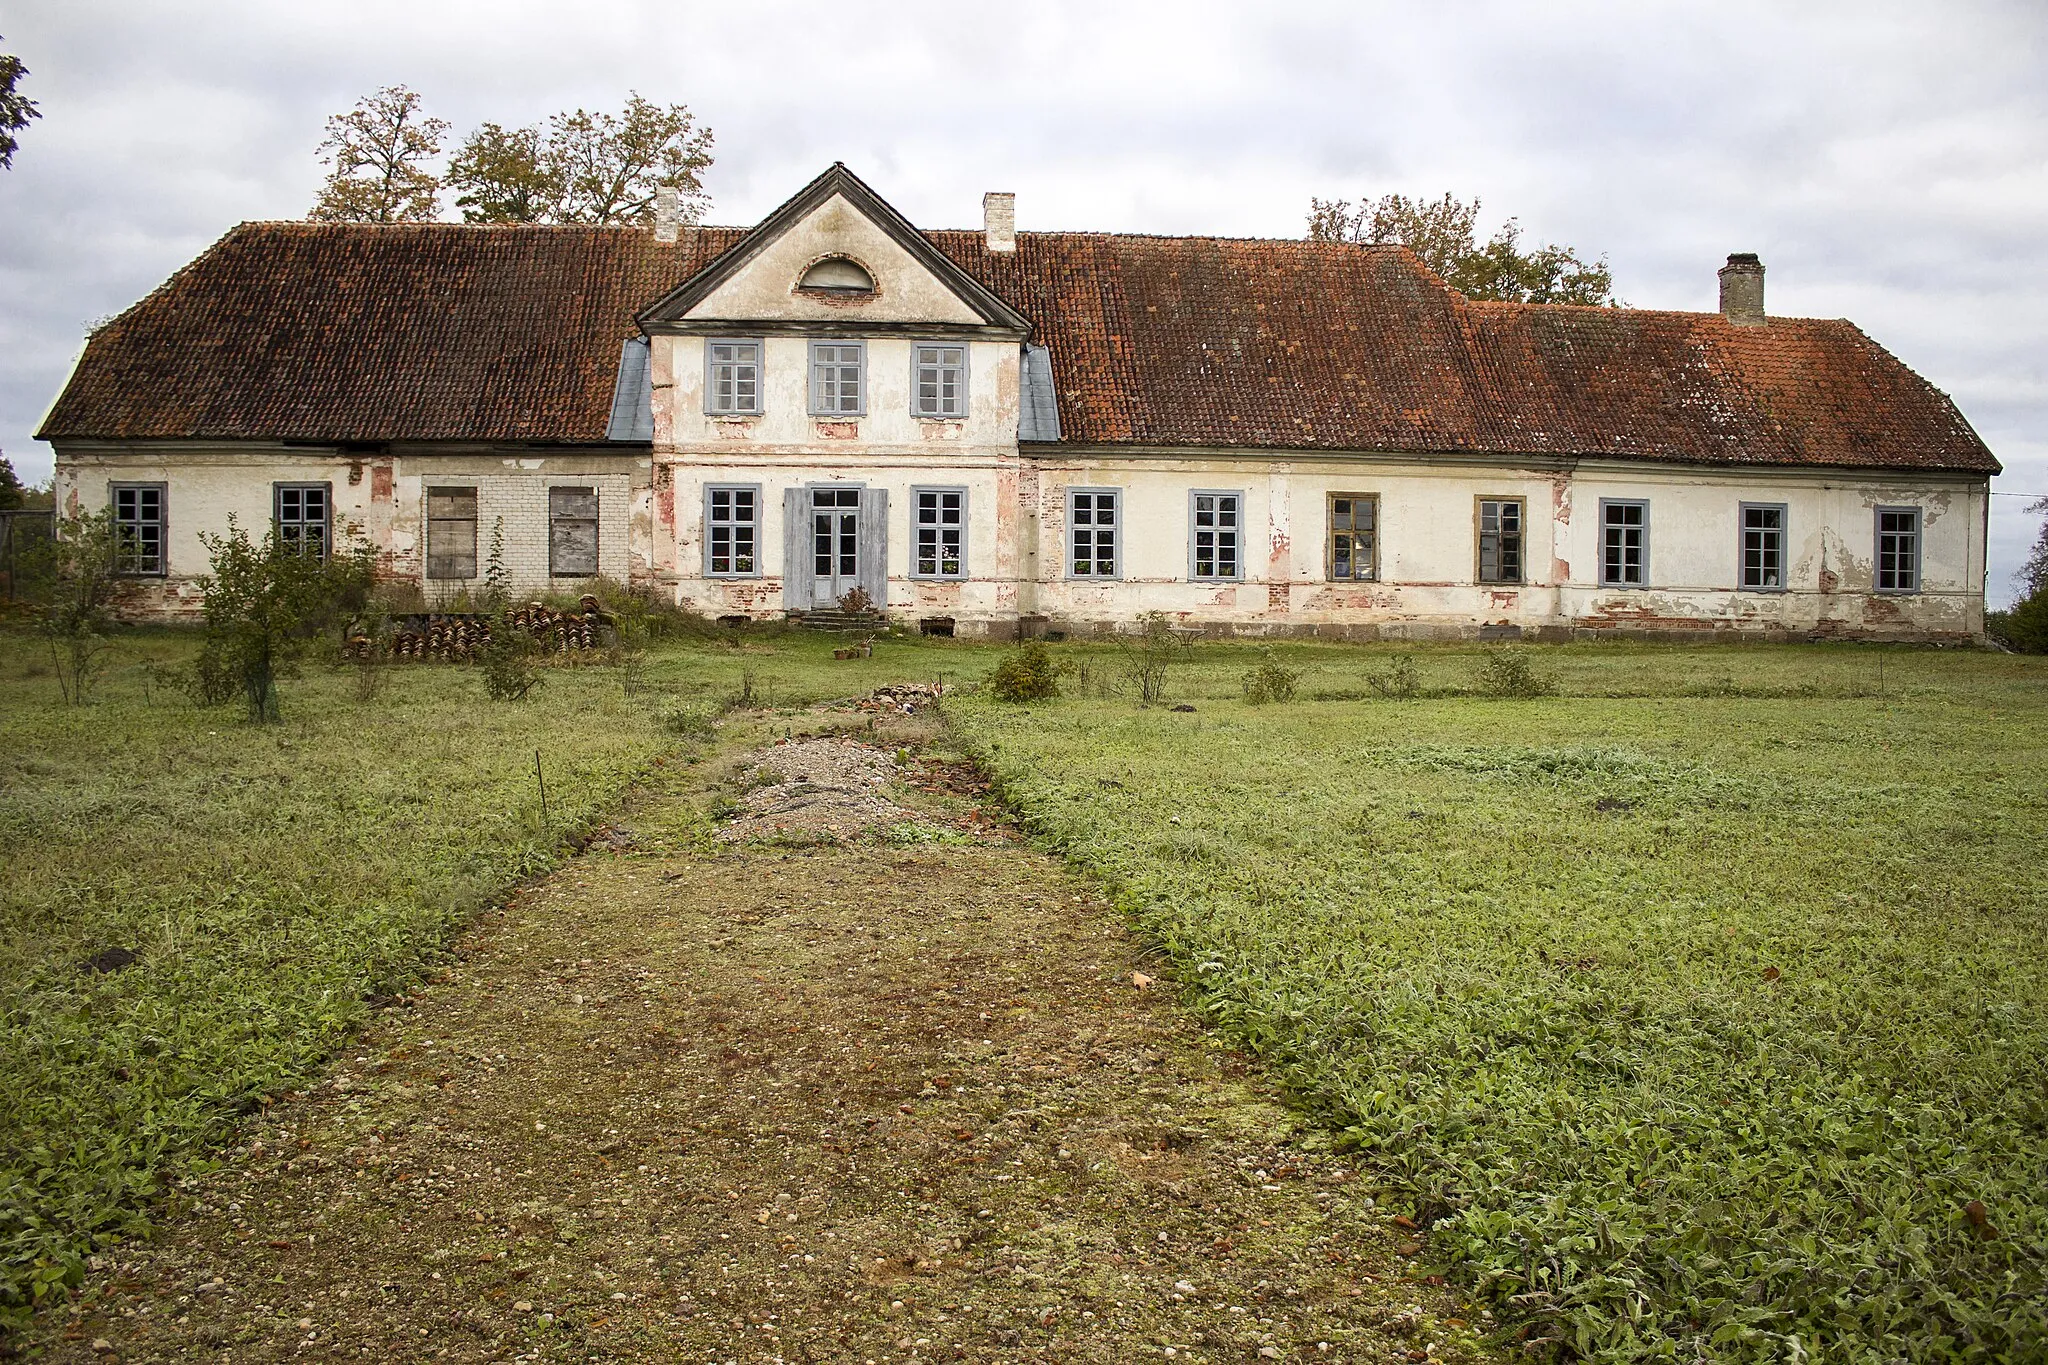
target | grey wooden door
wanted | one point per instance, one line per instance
(835, 522)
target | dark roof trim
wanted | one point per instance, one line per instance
(666, 312)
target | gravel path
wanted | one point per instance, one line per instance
(754, 1103)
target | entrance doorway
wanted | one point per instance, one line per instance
(835, 544)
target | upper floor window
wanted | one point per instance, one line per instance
(1763, 546)
(838, 381)
(837, 275)
(139, 529)
(1354, 536)
(1215, 540)
(1624, 543)
(304, 512)
(1500, 540)
(451, 533)
(1093, 526)
(938, 381)
(732, 378)
(1898, 549)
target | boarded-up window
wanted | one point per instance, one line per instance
(451, 533)
(572, 532)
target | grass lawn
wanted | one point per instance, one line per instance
(269, 879)
(1701, 1009)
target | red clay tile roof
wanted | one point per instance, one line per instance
(440, 332)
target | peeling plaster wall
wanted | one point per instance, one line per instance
(1428, 547)
(904, 290)
(383, 495)
(785, 426)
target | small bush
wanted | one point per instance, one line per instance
(509, 671)
(1398, 681)
(1156, 648)
(1026, 673)
(1270, 680)
(1506, 672)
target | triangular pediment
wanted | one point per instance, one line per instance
(759, 280)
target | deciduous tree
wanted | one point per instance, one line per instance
(15, 108)
(1443, 233)
(2025, 627)
(584, 167)
(379, 154)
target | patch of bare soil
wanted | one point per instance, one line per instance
(756, 1103)
(821, 788)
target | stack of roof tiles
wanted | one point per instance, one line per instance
(442, 332)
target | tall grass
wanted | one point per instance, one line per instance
(1697, 1026)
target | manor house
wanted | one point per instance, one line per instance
(997, 432)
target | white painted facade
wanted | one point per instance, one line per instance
(1424, 579)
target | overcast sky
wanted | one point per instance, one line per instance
(1889, 162)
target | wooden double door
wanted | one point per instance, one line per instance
(836, 539)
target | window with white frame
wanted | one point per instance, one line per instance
(1763, 546)
(732, 378)
(139, 529)
(938, 381)
(303, 513)
(732, 530)
(1624, 543)
(1215, 543)
(1093, 528)
(838, 388)
(1898, 549)
(1354, 536)
(1500, 540)
(451, 533)
(938, 533)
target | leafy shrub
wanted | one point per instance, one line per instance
(856, 602)
(1026, 673)
(1398, 681)
(72, 574)
(1157, 646)
(508, 664)
(1270, 680)
(1506, 672)
(265, 606)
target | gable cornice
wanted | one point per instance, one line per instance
(666, 314)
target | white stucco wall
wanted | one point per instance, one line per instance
(383, 496)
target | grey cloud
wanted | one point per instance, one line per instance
(1890, 161)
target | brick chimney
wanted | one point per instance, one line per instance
(668, 214)
(999, 220)
(1742, 290)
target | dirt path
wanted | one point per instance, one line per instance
(893, 1099)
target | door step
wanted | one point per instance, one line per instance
(832, 619)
